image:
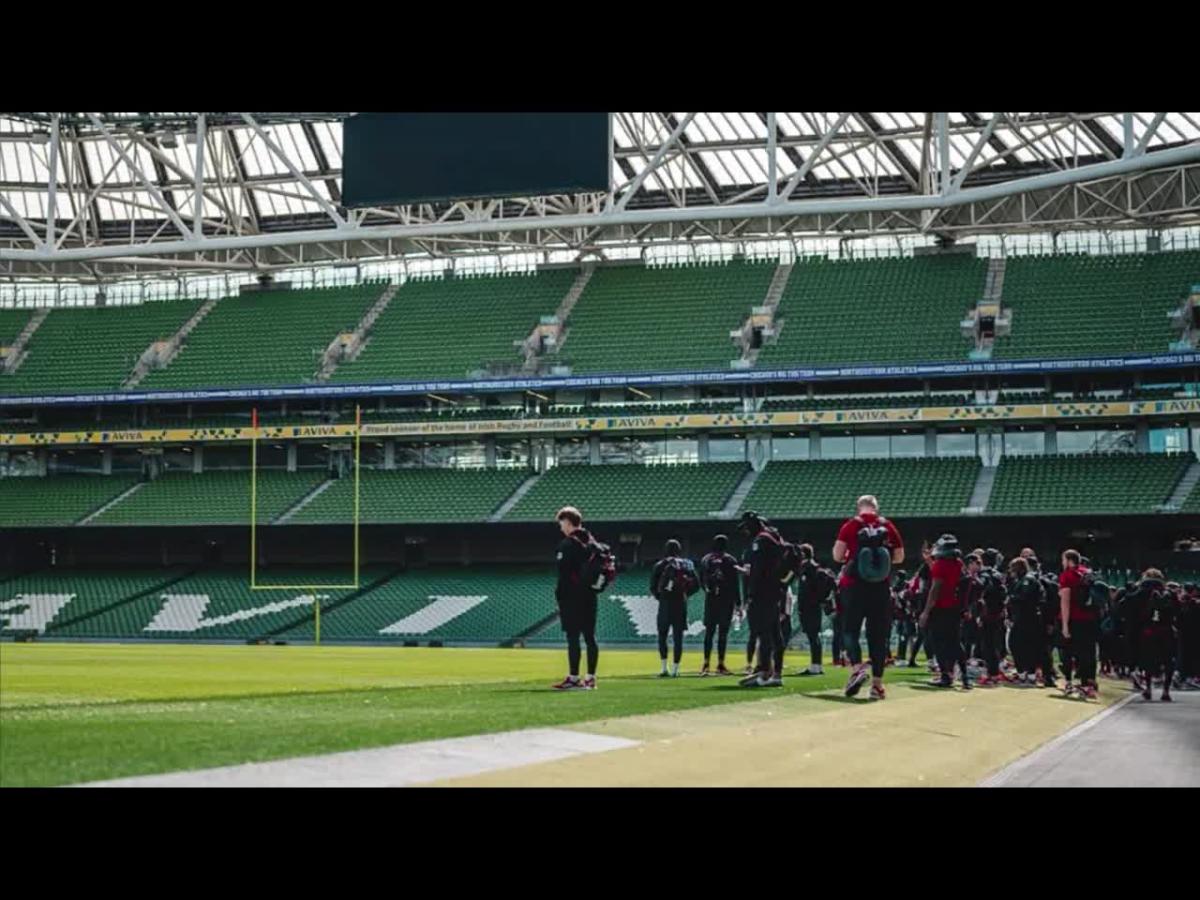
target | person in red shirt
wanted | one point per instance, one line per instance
(1080, 629)
(869, 545)
(943, 611)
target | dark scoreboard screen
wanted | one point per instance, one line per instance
(396, 158)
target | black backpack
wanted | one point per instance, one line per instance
(994, 594)
(873, 561)
(600, 566)
(790, 557)
(675, 577)
(712, 571)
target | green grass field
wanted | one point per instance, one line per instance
(71, 713)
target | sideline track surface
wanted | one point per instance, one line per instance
(1135, 743)
(918, 737)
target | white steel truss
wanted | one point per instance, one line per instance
(100, 196)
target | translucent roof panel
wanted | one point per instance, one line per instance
(722, 158)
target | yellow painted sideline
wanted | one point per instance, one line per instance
(917, 737)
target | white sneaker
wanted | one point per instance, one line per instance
(814, 669)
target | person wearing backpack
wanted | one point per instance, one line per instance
(720, 577)
(869, 545)
(1155, 615)
(585, 567)
(768, 577)
(1025, 604)
(814, 589)
(672, 580)
(993, 603)
(943, 612)
(1080, 628)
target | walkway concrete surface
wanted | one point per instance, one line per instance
(398, 766)
(1135, 743)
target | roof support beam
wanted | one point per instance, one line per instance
(329, 208)
(799, 174)
(52, 182)
(1189, 153)
(655, 162)
(1149, 134)
(150, 187)
(969, 162)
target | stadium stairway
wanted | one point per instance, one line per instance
(770, 305)
(981, 493)
(359, 338)
(151, 360)
(734, 504)
(80, 618)
(537, 628)
(133, 489)
(16, 352)
(307, 616)
(304, 501)
(522, 489)
(1183, 490)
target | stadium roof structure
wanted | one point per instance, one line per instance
(154, 193)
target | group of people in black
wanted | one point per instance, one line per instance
(982, 620)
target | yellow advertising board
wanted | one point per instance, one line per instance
(433, 429)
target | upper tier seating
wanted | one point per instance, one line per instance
(276, 337)
(449, 327)
(885, 311)
(632, 318)
(93, 349)
(1066, 306)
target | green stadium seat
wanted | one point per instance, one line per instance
(614, 492)
(450, 327)
(1128, 483)
(829, 488)
(56, 499)
(633, 318)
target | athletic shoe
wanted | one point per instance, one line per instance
(902, 664)
(774, 681)
(877, 692)
(988, 681)
(1193, 684)
(750, 680)
(721, 670)
(1146, 695)
(749, 669)
(966, 685)
(664, 674)
(813, 669)
(1166, 697)
(860, 674)
(588, 684)
(941, 683)
(1088, 691)
(567, 684)
(705, 671)
(1068, 689)
(1137, 682)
